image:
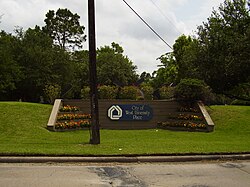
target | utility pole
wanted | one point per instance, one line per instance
(95, 128)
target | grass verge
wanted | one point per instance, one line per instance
(23, 132)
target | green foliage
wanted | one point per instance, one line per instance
(241, 91)
(30, 59)
(166, 92)
(107, 92)
(192, 90)
(224, 46)
(219, 55)
(220, 99)
(185, 52)
(85, 92)
(240, 94)
(78, 65)
(52, 92)
(146, 77)
(128, 92)
(80, 61)
(34, 57)
(10, 73)
(64, 28)
(113, 67)
(147, 92)
(167, 72)
(240, 102)
(41, 63)
(180, 47)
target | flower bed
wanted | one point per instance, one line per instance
(187, 118)
(187, 125)
(72, 124)
(73, 116)
(69, 108)
(191, 117)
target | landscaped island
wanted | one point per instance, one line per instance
(23, 132)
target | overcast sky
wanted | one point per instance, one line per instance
(115, 22)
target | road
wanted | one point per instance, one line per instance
(197, 174)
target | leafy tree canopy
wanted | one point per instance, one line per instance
(167, 72)
(224, 46)
(65, 29)
(113, 67)
(10, 73)
(220, 53)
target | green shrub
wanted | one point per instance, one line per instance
(85, 92)
(128, 92)
(192, 90)
(107, 92)
(220, 99)
(241, 91)
(166, 92)
(147, 92)
(51, 92)
(240, 102)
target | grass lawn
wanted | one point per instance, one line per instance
(23, 132)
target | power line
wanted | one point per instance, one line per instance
(164, 15)
(148, 25)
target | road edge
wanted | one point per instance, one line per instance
(121, 159)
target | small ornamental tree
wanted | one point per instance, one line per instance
(51, 92)
(85, 92)
(166, 92)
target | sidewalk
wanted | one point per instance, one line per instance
(121, 159)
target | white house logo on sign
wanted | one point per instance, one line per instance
(115, 112)
(130, 112)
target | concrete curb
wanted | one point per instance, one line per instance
(122, 159)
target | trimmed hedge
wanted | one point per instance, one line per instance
(128, 92)
(147, 92)
(107, 92)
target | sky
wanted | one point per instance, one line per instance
(115, 22)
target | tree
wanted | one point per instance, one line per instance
(33, 56)
(41, 63)
(65, 29)
(145, 77)
(113, 67)
(224, 46)
(10, 73)
(167, 72)
(80, 68)
(80, 61)
(186, 50)
(179, 64)
(52, 92)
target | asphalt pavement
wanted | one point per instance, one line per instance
(177, 174)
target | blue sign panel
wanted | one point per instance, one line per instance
(137, 112)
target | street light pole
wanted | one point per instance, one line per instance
(95, 128)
